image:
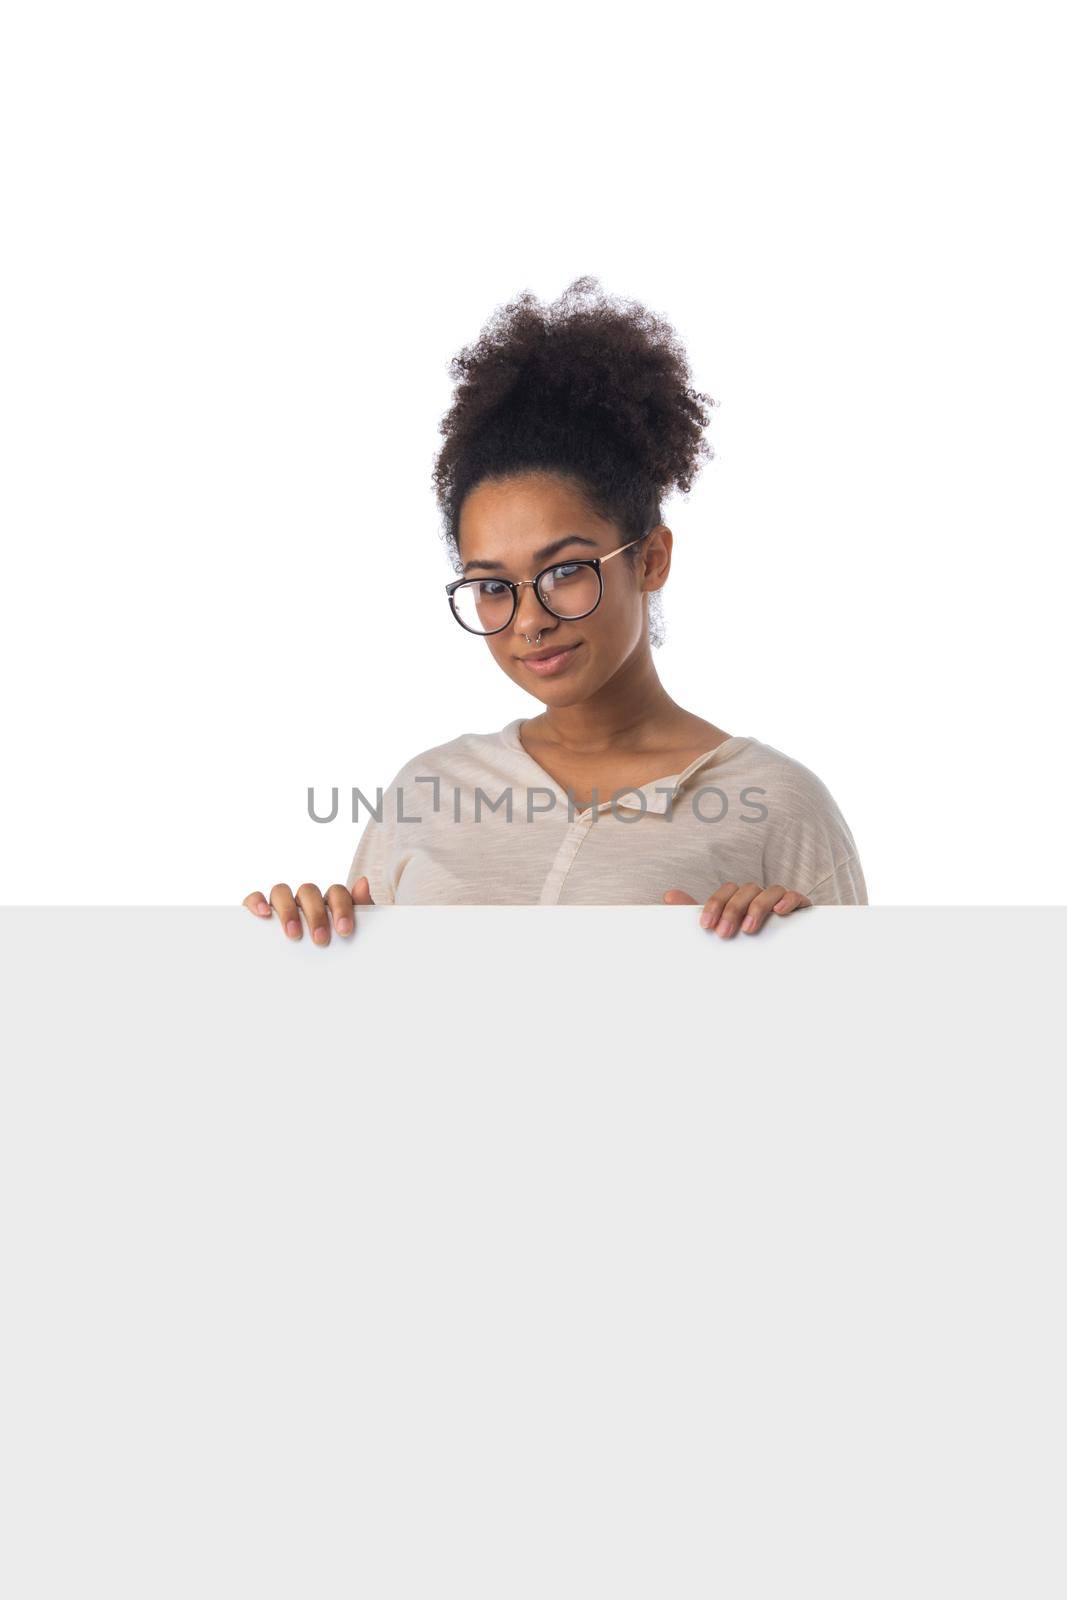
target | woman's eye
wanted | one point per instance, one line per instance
(491, 590)
(567, 570)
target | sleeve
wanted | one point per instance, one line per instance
(372, 860)
(844, 886)
(809, 846)
(376, 853)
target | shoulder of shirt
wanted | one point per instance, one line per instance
(464, 747)
(765, 760)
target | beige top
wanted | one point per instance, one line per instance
(478, 821)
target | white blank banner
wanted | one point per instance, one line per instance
(533, 1251)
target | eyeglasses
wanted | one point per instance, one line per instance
(567, 590)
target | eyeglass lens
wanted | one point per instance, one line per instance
(485, 604)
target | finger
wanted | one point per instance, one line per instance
(257, 903)
(361, 892)
(735, 908)
(714, 903)
(792, 900)
(281, 898)
(678, 897)
(309, 899)
(339, 902)
(760, 908)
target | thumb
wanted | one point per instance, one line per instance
(678, 897)
(361, 893)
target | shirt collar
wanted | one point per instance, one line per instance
(661, 792)
(669, 787)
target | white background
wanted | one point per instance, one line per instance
(241, 245)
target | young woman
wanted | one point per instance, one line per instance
(569, 425)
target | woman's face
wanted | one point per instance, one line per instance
(516, 528)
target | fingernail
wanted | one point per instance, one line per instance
(263, 910)
(344, 924)
(320, 936)
(725, 927)
(293, 929)
(748, 924)
(705, 919)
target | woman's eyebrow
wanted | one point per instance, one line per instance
(539, 555)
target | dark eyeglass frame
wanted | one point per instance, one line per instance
(515, 584)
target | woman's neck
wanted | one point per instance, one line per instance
(631, 712)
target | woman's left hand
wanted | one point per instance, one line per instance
(745, 905)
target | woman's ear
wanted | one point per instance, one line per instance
(657, 558)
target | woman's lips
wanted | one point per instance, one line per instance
(548, 665)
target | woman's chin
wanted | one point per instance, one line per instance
(561, 695)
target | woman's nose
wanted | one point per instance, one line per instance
(531, 613)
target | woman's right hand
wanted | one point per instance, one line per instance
(338, 903)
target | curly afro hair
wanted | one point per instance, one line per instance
(591, 388)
